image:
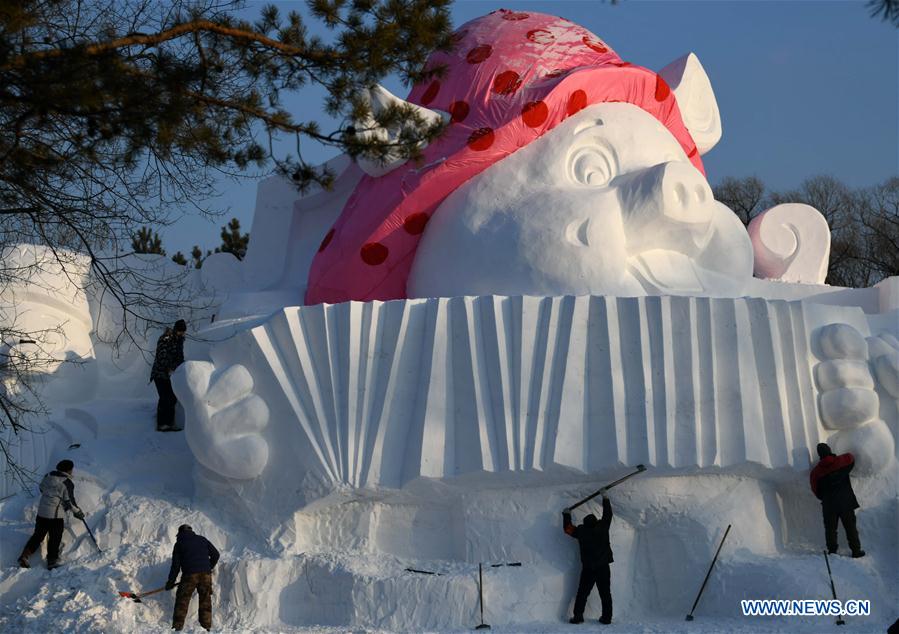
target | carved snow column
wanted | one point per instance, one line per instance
(848, 400)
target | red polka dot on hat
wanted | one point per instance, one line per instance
(415, 223)
(534, 114)
(577, 102)
(481, 139)
(430, 93)
(506, 82)
(326, 241)
(595, 44)
(478, 54)
(458, 111)
(662, 89)
(373, 253)
(540, 36)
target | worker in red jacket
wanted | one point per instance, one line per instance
(830, 484)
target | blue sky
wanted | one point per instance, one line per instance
(804, 87)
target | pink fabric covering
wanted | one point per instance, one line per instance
(511, 77)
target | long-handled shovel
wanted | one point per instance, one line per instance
(137, 597)
(90, 532)
(708, 574)
(640, 469)
(833, 589)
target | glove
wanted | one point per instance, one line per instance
(79, 515)
(566, 511)
(604, 493)
(169, 584)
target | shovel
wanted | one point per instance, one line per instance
(137, 597)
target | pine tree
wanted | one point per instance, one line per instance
(113, 113)
(147, 241)
(233, 241)
(197, 256)
(179, 258)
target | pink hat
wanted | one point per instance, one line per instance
(510, 78)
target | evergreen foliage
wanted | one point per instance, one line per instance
(233, 241)
(118, 114)
(147, 241)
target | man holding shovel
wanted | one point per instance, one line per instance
(57, 498)
(195, 557)
(596, 555)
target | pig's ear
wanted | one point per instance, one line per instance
(378, 99)
(696, 100)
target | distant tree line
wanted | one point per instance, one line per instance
(234, 242)
(864, 222)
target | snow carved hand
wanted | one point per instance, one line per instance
(224, 418)
(848, 400)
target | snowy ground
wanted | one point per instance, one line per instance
(137, 486)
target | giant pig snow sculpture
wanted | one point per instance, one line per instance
(564, 172)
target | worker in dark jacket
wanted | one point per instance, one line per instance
(830, 484)
(596, 555)
(57, 498)
(195, 557)
(169, 355)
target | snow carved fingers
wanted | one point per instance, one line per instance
(224, 418)
(848, 400)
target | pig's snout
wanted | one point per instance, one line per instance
(667, 206)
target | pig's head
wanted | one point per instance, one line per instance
(606, 203)
(564, 170)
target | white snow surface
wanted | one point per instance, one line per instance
(345, 571)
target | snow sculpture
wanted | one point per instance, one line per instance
(605, 204)
(565, 194)
(227, 420)
(381, 395)
(509, 83)
(55, 306)
(791, 243)
(848, 400)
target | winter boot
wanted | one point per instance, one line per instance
(23, 558)
(576, 620)
(858, 553)
(605, 620)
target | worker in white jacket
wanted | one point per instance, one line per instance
(57, 498)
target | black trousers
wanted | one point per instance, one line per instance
(165, 411)
(601, 577)
(43, 526)
(831, 517)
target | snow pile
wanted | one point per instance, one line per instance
(344, 564)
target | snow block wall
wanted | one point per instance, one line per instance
(380, 394)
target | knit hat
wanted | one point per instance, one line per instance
(180, 326)
(65, 466)
(824, 450)
(590, 520)
(511, 77)
(185, 528)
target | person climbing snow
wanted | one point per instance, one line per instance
(830, 484)
(195, 557)
(57, 498)
(169, 355)
(596, 555)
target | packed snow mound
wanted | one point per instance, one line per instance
(136, 486)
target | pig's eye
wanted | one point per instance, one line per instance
(592, 166)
